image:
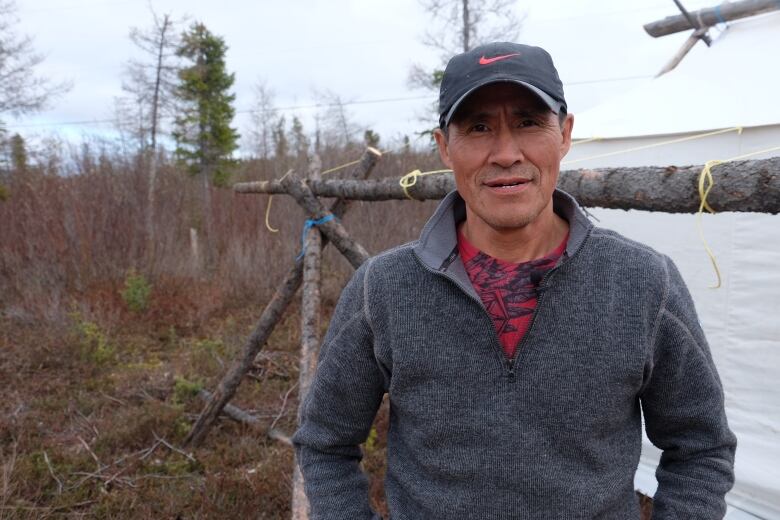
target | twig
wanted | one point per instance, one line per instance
(280, 436)
(51, 472)
(173, 448)
(100, 466)
(118, 401)
(284, 404)
(89, 423)
(149, 450)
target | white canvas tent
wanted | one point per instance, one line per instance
(720, 102)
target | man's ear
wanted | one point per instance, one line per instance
(568, 124)
(443, 145)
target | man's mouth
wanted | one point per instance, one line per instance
(506, 183)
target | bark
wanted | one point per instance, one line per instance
(333, 229)
(310, 341)
(710, 16)
(743, 186)
(271, 314)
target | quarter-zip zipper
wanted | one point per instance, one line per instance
(540, 290)
(442, 271)
(509, 364)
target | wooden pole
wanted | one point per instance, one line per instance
(682, 52)
(237, 414)
(701, 29)
(310, 339)
(710, 16)
(333, 229)
(271, 314)
(743, 186)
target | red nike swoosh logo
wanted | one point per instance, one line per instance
(487, 61)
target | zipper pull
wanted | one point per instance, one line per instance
(450, 258)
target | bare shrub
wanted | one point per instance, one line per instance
(73, 226)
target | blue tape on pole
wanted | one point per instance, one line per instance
(307, 226)
(719, 15)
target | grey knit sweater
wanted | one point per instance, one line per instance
(554, 433)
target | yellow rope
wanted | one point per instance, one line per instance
(654, 145)
(706, 177)
(268, 208)
(706, 182)
(410, 179)
(326, 172)
(588, 140)
(337, 168)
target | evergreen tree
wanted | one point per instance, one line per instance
(203, 132)
(18, 153)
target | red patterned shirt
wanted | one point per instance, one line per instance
(508, 290)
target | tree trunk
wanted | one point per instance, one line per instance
(745, 186)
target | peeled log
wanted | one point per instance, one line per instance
(739, 186)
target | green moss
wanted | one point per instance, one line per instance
(184, 390)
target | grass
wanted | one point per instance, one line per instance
(82, 437)
(87, 434)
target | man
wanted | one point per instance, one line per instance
(518, 343)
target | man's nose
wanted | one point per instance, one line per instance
(507, 149)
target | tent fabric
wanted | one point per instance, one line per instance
(742, 335)
(734, 83)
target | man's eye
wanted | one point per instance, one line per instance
(479, 128)
(528, 122)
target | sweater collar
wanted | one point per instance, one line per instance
(438, 242)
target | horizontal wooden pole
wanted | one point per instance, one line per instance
(739, 186)
(711, 16)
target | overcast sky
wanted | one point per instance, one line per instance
(361, 50)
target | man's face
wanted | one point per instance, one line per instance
(505, 147)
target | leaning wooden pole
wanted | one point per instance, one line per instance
(310, 341)
(743, 186)
(710, 16)
(270, 317)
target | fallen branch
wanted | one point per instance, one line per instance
(239, 415)
(739, 186)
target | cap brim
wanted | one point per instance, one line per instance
(554, 105)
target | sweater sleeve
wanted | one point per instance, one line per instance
(338, 412)
(683, 406)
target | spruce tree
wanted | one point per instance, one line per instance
(205, 139)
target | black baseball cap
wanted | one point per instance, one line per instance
(531, 67)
